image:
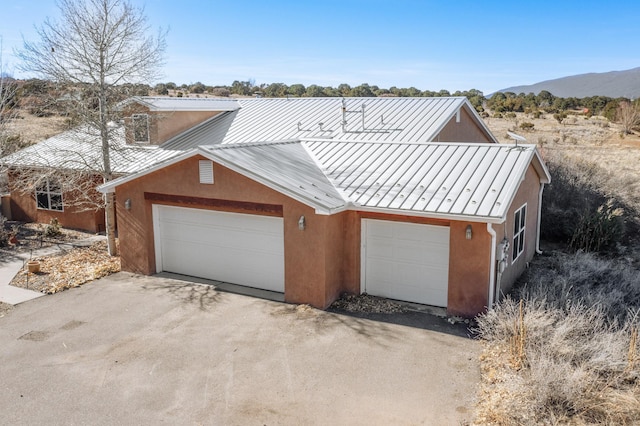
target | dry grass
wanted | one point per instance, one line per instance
(32, 129)
(564, 348)
(69, 269)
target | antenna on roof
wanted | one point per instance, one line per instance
(516, 137)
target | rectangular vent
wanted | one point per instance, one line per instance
(206, 171)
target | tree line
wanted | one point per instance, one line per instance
(35, 91)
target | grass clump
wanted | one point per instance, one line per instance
(563, 349)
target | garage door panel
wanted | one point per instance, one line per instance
(406, 261)
(232, 247)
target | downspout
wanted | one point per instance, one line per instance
(539, 216)
(492, 270)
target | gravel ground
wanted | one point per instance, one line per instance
(365, 303)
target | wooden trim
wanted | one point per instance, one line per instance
(404, 218)
(216, 204)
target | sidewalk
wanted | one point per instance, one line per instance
(12, 263)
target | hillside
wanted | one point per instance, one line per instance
(613, 84)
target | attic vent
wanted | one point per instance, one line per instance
(206, 171)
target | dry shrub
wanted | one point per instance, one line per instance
(581, 207)
(577, 319)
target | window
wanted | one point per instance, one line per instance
(206, 171)
(49, 195)
(518, 231)
(140, 128)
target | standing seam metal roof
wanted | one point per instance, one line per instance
(383, 119)
(466, 180)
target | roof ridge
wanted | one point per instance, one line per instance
(251, 144)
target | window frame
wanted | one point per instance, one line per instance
(519, 232)
(45, 189)
(134, 127)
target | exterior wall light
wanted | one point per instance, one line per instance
(127, 204)
(302, 223)
(469, 232)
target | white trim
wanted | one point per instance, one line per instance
(363, 256)
(416, 213)
(492, 268)
(48, 193)
(112, 184)
(521, 231)
(155, 216)
(538, 221)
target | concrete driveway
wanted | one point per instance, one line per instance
(129, 349)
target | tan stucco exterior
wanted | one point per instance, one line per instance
(466, 129)
(24, 208)
(528, 194)
(322, 261)
(164, 125)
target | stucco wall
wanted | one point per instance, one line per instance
(324, 260)
(313, 273)
(174, 123)
(24, 209)
(164, 125)
(528, 193)
(467, 130)
(469, 269)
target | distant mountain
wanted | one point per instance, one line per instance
(613, 84)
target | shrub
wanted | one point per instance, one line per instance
(598, 230)
(221, 91)
(5, 234)
(569, 345)
(560, 116)
(537, 114)
(527, 126)
(576, 211)
(53, 229)
(510, 115)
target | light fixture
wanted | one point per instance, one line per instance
(469, 232)
(127, 204)
(302, 223)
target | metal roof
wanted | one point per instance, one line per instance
(185, 104)
(450, 180)
(286, 167)
(349, 119)
(209, 132)
(459, 179)
(81, 149)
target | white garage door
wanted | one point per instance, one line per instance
(236, 248)
(405, 261)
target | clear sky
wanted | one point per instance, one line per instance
(432, 45)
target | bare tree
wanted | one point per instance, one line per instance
(8, 110)
(98, 50)
(628, 115)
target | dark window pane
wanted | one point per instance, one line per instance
(56, 202)
(43, 200)
(140, 128)
(523, 217)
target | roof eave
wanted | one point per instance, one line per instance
(423, 214)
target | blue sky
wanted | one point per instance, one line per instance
(431, 45)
